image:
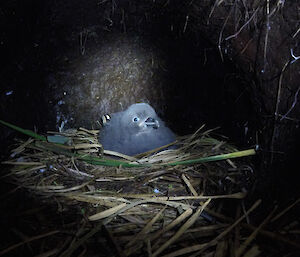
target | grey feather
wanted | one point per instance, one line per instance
(135, 130)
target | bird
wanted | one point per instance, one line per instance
(136, 130)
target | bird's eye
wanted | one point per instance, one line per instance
(135, 119)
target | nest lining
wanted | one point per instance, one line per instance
(175, 202)
(141, 203)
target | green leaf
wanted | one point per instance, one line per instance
(24, 131)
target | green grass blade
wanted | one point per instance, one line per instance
(56, 148)
(108, 162)
(24, 131)
(115, 163)
(215, 158)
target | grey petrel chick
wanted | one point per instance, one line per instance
(135, 130)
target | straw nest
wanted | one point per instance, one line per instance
(154, 203)
(177, 202)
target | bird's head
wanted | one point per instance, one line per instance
(140, 118)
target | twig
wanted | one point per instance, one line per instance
(49, 253)
(279, 87)
(149, 249)
(296, 58)
(293, 104)
(83, 239)
(226, 231)
(267, 34)
(106, 213)
(241, 28)
(182, 229)
(217, 2)
(244, 210)
(253, 235)
(246, 46)
(285, 210)
(253, 252)
(268, 234)
(186, 250)
(189, 185)
(57, 189)
(27, 241)
(113, 6)
(222, 30)
(239, 195)
(276, 109)
(237, 230)
(289, 118)
(114, 241)
(296, 33)
(83, 38)
(172, 224)
(185, 24)
(146, 229)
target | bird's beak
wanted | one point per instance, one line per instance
(151, 122)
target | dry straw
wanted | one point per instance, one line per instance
(148, 204)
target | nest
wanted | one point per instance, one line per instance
(161, 203)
